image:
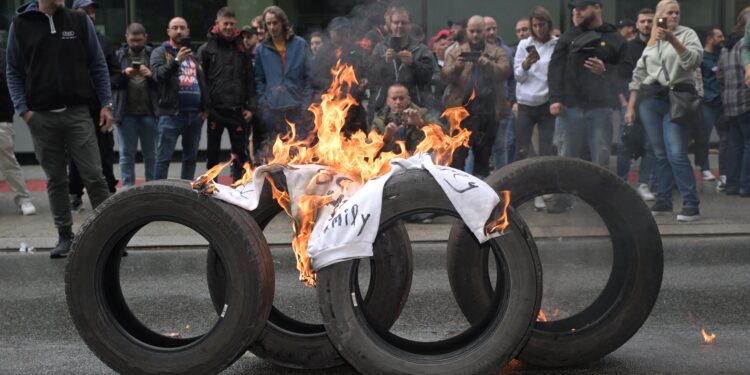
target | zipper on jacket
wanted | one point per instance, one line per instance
(51, 24)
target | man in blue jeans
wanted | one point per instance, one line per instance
(136, 106)
(583, 85)
(712, 105)
(181, 103)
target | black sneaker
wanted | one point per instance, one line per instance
(62, 248)
(75, 202)
(661, 209)
(689, 214)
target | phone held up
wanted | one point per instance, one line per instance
(531, 49)
(661, 22)
(471, 56)
(136, 65)
(184, 42)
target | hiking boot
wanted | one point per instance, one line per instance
(62, 248)
(75, 202)
(689, 214)
(661, 209)
(645, 192)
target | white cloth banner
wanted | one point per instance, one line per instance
(346, 227)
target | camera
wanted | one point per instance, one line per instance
(472, 56)
(661, 22)
(398, 118)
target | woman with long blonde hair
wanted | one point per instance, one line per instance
(678, 49)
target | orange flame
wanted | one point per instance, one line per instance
(246, 178)
(708, 339)
(204, 183)
(542, 317)
(359, 157)
(501, 223)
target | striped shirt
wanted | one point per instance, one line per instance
(735, 93)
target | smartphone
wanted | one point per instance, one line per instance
(395, 43)
(661, 22)
(136, 65)
(531, 49)
(184, 42)
(472, 56)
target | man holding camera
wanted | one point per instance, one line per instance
(402, 120)
(475, 72)
(583, 82)
(136, 106)
(181, 108)
(403, 60)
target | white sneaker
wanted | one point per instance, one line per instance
(722, 184)
(539, 203)
(708, 176)
(28, 208)
(645, 193)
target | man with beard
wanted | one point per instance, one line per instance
(499, 152)
(712, 104)
(633, 142)
(230, 85)
(400, 59)
(135, 106)
(473, 72)
(48, 43)
(342, 47)
(584, 85)
(182, 95)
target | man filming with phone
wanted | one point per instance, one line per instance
(474, 73)
(182, 106)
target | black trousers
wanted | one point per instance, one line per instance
(528, 117)
(106, 142)
(237, 128)
(483, 127)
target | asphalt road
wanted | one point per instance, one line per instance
(706, 284)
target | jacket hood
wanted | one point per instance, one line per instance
(214, 32)
(31, 6)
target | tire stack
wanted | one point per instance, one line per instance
(357, 325)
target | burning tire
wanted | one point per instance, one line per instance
(484, 348)
(100, 311)
(637, 267)
(290, 343)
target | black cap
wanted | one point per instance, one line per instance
(339, 23)
(625, 23)
(582, 3)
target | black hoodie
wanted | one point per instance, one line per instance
(571, 84)
(230, 78)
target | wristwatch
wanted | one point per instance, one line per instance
(110, 106)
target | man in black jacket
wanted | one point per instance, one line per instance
(230, 85)
(182, 99)
(584, 82)
(46, 44)
(105, 140)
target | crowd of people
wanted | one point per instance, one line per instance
(545, 94)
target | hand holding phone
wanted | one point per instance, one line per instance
(470, 56)
(661, 22)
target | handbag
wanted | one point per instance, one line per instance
(685, 105)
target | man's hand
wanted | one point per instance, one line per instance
(483, 61)
(555, 109)
(390, 54)
(27, 116)
(105, 120)
(413, 118)
(629, 116)
(130, 72)
(747, 75)
(530, 60)
(247, 115)
(664, 34)
(406, 57)
(595, 65)
(146, 72)
(390, 131)
(183, 54)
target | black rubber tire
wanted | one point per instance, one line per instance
(483, 349)
(98, 307)
(637, 264)
(290, 343)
